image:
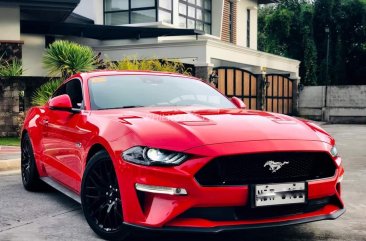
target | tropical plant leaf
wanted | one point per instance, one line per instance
(11, 68)
(65, 58)
(45, 91)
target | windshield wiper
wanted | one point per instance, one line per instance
(132, 106)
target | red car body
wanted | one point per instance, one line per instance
(63, 142)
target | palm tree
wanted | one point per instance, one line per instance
(65, 58)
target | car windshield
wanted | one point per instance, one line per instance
(128, 91)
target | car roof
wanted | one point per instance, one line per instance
(97, 73)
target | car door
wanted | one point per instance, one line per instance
(64, 139)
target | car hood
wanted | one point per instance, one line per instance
(184, 128)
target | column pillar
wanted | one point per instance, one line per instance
(295, 96)
(203, 71)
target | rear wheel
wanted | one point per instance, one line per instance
(101, 200)
(29, 172)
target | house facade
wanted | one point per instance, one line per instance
(210, 35)
(229, 32)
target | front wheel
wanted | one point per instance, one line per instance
(29, 172)
(101, 200)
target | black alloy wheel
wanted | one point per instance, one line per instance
(101, 199)
(29, 172)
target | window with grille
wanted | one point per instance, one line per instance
(195, 14)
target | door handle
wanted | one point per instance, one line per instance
(45, 122)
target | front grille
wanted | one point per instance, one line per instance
(246, 212)
(251, 169)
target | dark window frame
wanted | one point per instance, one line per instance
(166, 10)
(62, 90)
(130, 10)
(248, 28)
(195, 19)
(231, 22)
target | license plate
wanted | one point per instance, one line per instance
(279, 194)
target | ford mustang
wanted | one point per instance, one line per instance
(162, 151)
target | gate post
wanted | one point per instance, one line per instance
(203, 71)
(260, 92)
(295, 96)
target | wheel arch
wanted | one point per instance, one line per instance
(22, 134)
(94, 150)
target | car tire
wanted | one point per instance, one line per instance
(29, 172)
(101, 200)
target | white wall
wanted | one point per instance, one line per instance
(10, 23)
(241, 24)
(217, 17)
(168, 50)
(344, 103)
(237, 54)
(92, 9)
(33, 49)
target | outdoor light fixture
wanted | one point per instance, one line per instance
(214, 78)
(264, 72)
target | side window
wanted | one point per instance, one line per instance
(73, 89)
(60, 91)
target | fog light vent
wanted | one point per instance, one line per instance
(161, 190)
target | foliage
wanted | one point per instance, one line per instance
(45, 91)
(132, 63)
(9, 141)
(346, 20)
(271, 19)
(20, 122)
(10, 68)
(64, 58)
(309, 64)
(296, 29)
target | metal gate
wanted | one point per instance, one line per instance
(240, 83)
(279, 94)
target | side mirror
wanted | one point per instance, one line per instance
(238, 103)
(62, 102)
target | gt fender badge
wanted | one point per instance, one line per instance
(275, 166)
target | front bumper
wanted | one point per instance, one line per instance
(165, 212)
(220, 229)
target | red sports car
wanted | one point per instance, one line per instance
(160, 151)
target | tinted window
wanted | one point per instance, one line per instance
(144, 90)
(73, 89)
(60, 91)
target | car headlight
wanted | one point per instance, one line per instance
(334, 151)
(153, 157)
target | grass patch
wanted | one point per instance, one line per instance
(9, 141)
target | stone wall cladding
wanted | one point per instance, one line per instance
(10, 50)
(10, 88)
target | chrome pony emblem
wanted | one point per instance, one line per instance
(275, 166)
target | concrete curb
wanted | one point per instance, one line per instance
(9, 165)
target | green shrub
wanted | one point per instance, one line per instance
(45, 91)
(11, 68)
(65, 58)
(132, 63)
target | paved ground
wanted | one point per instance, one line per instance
(52, 216)
(9, 158)
(9, 152)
